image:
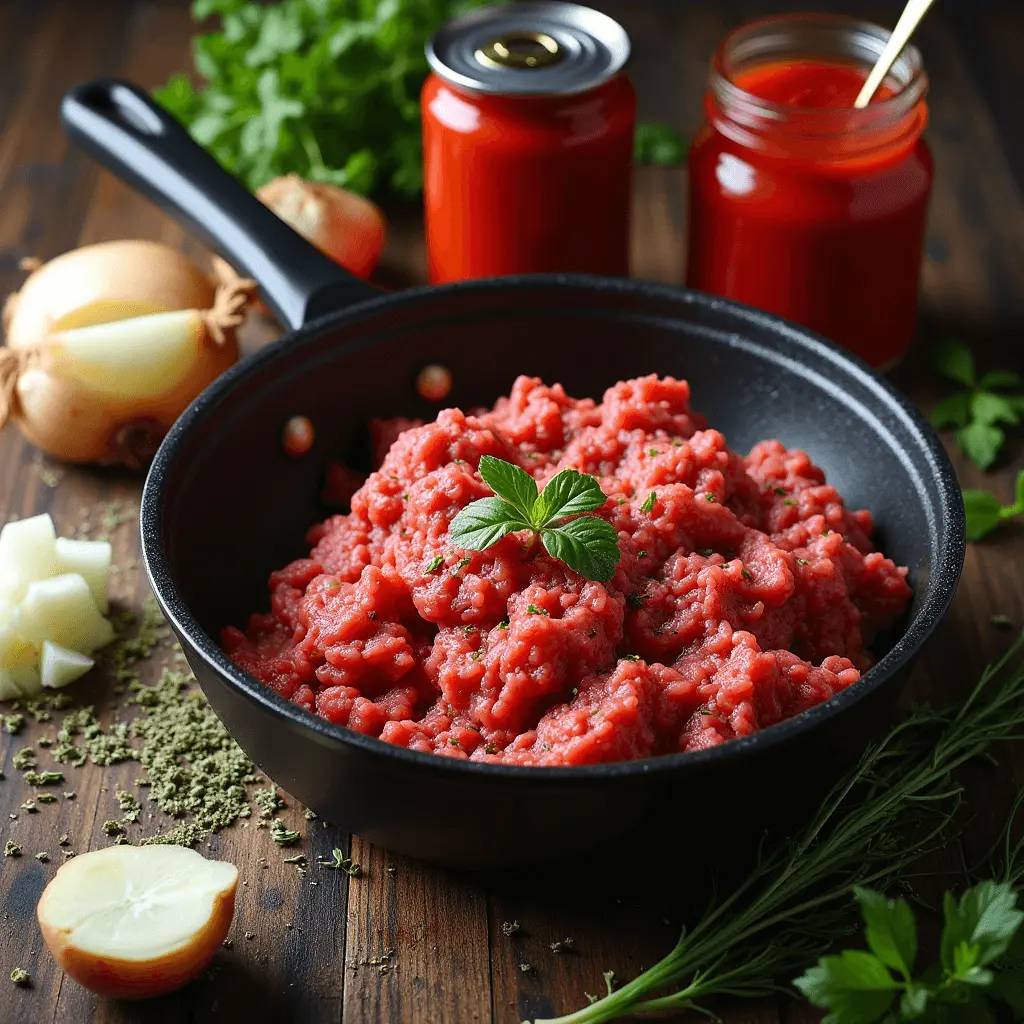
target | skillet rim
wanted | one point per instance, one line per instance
(939, 589)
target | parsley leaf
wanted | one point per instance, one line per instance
(981, 443)
(588, 545)
(891, 931)
(656, 143)
(952, 411)
(855, 987)
(985, 512)
(953, 359)
(979, 413)
(979, 928)
(327, 89)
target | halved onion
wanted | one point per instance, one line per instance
(100, 374)
(136, 922)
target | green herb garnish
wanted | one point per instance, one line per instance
(980, 411)
(861, 986)
(327, 89)
(21, 977)
(532, 609)
(588, 544)
(340, 862)
(985, 511)
(433, 565)
(649, 502)
(656, 143)
(282, 835)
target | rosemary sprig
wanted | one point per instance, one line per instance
(895, 804)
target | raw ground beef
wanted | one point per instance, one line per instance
(745, 596)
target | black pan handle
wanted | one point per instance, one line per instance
(140, 142)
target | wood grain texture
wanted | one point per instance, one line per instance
(406, 942)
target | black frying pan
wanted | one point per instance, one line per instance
(223, 505)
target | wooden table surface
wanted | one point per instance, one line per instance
(309, 946)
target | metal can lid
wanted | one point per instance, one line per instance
(529, 49)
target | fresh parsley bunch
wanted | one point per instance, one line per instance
(587, 544)
(327, 89)
(982, 409)
(980, 970)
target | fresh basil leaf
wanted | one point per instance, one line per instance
(983, 511)
(855, 987)
(999, 379)
(986, 918)
(656, 143)
(512, 483)
(589, 546)
(953, 359)
(989, 408)
(569, 493)
(483, 523)
(981, 443)
(891, 931)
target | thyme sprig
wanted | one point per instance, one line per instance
(897, 803)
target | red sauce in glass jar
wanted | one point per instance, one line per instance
(528, 127)
(801, 205)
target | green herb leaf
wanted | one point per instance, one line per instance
(953, 359)
(979, 928)
(989, 408)
(657, 143)
(891, 931)
(984, 513)
(999, 379)
(649, 502)
(588, 545)
(952, 411)
(434, 564)
(855, 987)
(981, 443)
(325, 89)
(569, 493)
(511, 484)
(483, 523)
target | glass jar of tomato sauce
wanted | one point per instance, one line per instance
(802, 205)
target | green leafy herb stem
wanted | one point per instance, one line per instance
(985, 511)
(587, 544)
(981, 410)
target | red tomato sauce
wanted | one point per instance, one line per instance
(747, 594)
(800, 218)
(808, 83)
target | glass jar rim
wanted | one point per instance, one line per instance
(865, 42)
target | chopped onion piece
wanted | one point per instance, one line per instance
(62, 611)
(61, 666)
(91, 560)
(27, 552)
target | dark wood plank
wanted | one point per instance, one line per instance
(417, 946)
